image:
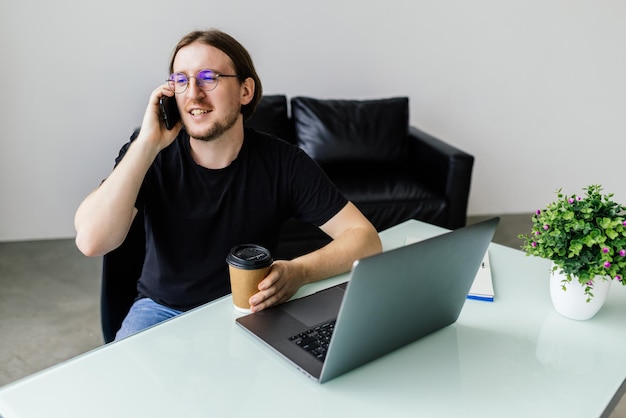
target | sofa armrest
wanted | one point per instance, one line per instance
(446, 170)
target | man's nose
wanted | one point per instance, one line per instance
(193, 90)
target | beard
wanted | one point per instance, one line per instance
(217, 129)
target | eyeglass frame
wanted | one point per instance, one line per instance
(213, 86)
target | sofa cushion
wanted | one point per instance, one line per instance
(270, 116)
(352, 130)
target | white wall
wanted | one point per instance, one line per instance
(534, 89)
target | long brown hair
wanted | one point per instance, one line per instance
(244, 67)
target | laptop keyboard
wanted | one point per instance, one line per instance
(315, 340)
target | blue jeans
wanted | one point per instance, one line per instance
(143, 314)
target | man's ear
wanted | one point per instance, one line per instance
(247, 91)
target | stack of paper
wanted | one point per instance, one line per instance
(482, 288)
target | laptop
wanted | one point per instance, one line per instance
(391, 299)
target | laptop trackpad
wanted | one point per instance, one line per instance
(316, 308)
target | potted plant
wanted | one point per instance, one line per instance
(584, 237)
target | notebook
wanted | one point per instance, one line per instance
(391, 299)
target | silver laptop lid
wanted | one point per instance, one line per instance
(398, 296)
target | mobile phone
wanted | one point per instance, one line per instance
(169, 111)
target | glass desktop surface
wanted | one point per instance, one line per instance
(513, 357)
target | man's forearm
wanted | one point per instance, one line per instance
(104, 217)
(338, 256)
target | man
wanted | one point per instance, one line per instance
(209, 184)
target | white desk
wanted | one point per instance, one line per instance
(514, 357)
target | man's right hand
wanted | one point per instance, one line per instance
(153, 128)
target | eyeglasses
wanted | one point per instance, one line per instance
(205, 80)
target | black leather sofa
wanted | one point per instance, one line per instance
(390, 170)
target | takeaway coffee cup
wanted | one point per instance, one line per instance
(248, 264)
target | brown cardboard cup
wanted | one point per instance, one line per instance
(248, 264)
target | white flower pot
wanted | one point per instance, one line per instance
(572, 302)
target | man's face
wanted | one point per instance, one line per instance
(208, 114)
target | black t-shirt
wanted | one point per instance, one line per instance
(194, 215)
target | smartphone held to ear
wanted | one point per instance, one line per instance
(169, 111)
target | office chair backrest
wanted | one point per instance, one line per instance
(121, 269)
